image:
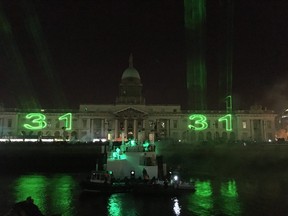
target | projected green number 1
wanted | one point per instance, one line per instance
(38, 121)
(68, 120)
(200, 122)
(228, 120)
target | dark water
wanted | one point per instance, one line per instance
(60, 193)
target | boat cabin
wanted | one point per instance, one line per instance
(100, 177)
(128, 161)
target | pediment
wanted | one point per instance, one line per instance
(130, 112)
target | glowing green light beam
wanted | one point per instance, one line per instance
(18, 79)
(195, 15)
(33, 26)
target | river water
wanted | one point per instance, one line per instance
(60, 193)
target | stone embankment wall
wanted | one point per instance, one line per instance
(46, 157)
(234, 160)
(192, 160)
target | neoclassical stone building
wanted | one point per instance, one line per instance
(131, 118)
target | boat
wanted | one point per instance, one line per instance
(122, 162)
(98, 182)
(101, 184)
(130, 159)
(158, 190)
(129, 167)
(177, 182)
(104, 183)
(163, 188)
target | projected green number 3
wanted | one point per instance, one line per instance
(200, 122)
(38, 121)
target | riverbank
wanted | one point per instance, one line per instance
(49, 157)
(213, 160)
(227, 160)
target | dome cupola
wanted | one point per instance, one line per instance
(130, 88)
(130, 72)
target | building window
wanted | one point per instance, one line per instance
(269, 136)
(74, 122)
(57, 125)
(175, 123)
(139, 123)
(151, 124)
(269, 124)
(84, 122)
(48, 123)
(224, 124)
(244, 136)
(97, 124)
(83, 133)
(162, 123)
(244, 124)
(175, 135)
(9, 123)
(121, 125)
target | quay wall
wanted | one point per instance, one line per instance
(49, 157)
(229, 160)
(211, 160)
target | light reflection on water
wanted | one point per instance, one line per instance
(201, 202)
(176, 207)
(34, 186)
(120, 205)
(207, 200)
(114, 206)
(48, 192)
(60, 193)
(229, 198)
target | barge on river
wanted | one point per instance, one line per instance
(134, 168)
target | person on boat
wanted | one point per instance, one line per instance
(153, 180)
(145, 175)
(27, 208)
(165, 183)
(107, 178)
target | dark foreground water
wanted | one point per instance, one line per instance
(60, 193)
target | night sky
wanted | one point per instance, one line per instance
(62, 53)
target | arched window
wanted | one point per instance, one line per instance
(57, 134)
(209, 136)
(224, 136)
(200, 136)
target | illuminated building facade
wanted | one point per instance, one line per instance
(131, 118)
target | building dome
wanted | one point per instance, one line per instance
(130, 72)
